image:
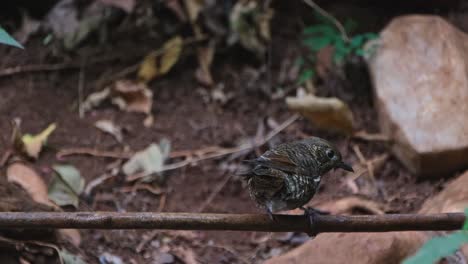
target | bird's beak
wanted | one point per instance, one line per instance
(346, 167)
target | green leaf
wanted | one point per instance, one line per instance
(149, 162)
(438, 247)
(357, 41)
(465, 225)
(66, 185)
(369, 36)
(299, 61)
(316, 44)
(305, 75)
(321, 29)
(350, 25)
(5, 38)
(360, 52)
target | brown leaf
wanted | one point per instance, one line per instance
(193, 8)
(29, 180)
(71, 235)
(178, 10)
(205, 58)
(326, 113)
(132, 96)
(349, 205)
(109, 127)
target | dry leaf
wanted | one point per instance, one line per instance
(193, 8)
(250, 26)
(33, 144)
(178, 10)
(126, 5)
(109, 127)
(29, 180)
(159, 62)
(205, 58)
(66, 186)
(326, 113)
(71, 235)
(348, 205)
(95, 99)
(132, 96)
(147, 162)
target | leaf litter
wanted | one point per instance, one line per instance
(148, 163)
(66, 186)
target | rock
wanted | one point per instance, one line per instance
(420, 79)
(354, 248)
(453, 198)
(381, 248)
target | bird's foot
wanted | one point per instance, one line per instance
(311, 214)
(271, 215)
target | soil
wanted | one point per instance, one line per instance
(184, 117)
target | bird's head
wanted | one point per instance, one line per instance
(327, 155)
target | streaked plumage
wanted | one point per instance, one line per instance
(288, 176)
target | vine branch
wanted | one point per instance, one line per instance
(236, 222)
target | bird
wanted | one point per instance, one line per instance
(287, 176)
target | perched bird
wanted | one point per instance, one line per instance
(287, 176)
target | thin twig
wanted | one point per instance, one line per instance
(93, 152)
(329, 16)
(81, 83)
(235, 222)
(215, 192)
(6, 72)
(223, 151)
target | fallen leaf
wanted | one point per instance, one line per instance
(125, 5)
(250, 26)
(30, 181)
(193, 8)
(95, 99)
(33, 143)
(325, 113)
(74, 25)
(205, 58)
(66, 186)
(349, 205)
(109, 127)
(29, 26)
(178, 10)
(69, 258)
(71, 235)
(159, 62)
(148, 162)
(132, 96)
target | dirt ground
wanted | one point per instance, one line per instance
(189, 122)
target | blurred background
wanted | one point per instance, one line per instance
(151, 106)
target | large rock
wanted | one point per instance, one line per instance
(354, 248)
(420, 78)
(379, 248)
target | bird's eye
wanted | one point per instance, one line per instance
(330, 154)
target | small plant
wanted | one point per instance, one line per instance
(6, 39)
(325, 33)
(439, 247)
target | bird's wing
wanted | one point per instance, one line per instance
(276, 160)
(266, 182)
